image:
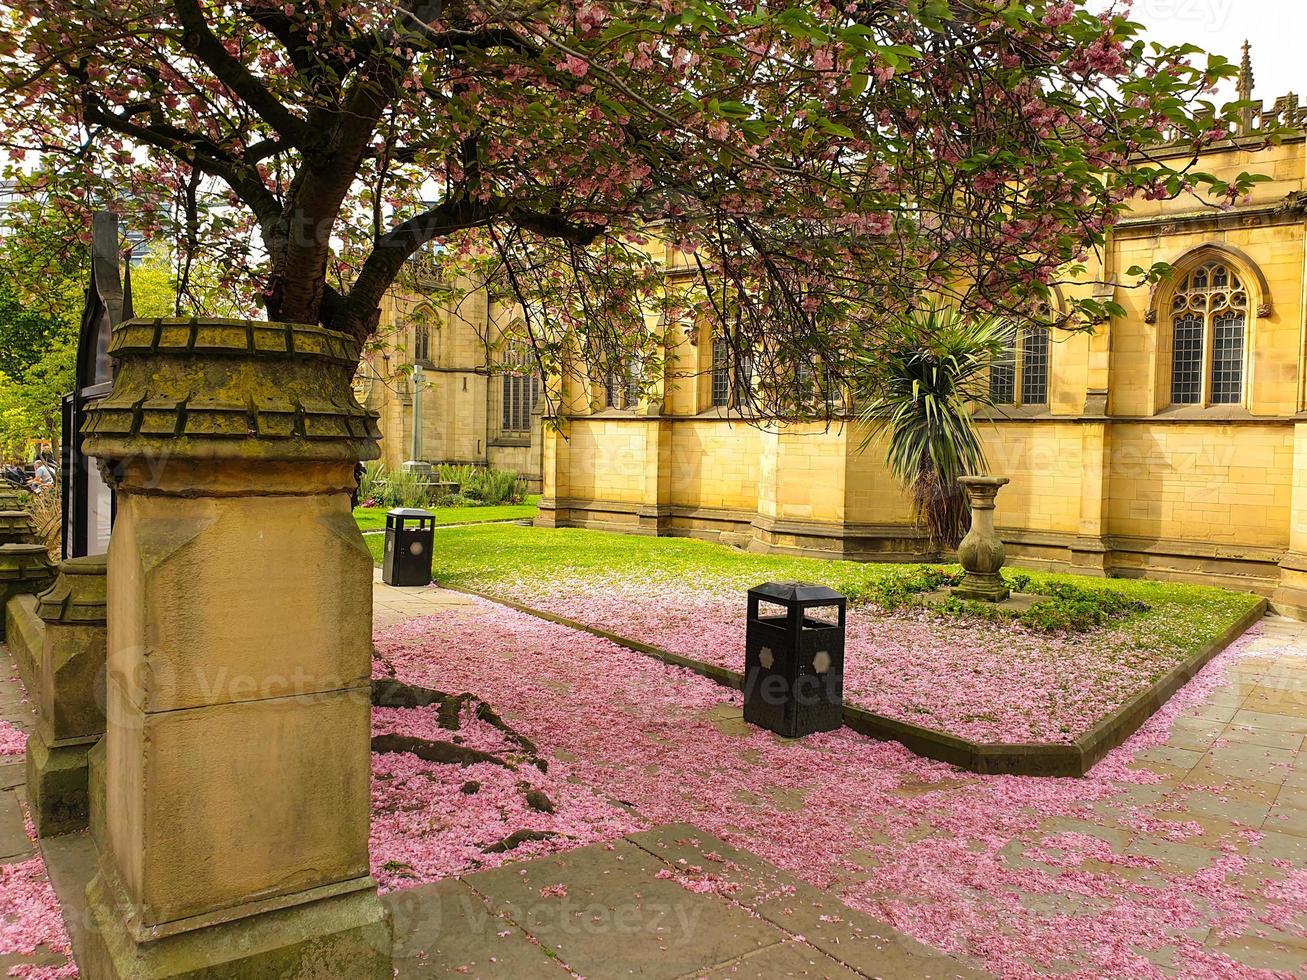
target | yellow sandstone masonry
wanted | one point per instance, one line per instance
(237, 747)
(1108, 476)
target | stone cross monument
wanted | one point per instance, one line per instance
(415, 462)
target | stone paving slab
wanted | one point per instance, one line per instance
(604, 911)
(12, 774)
(15, 845)
(792, 905)
(789, 959)
(617, 919)
(447, 929)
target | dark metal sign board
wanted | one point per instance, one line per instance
(88, 502)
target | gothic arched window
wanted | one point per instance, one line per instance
(1209, 318)
(520, 389)
(421, 342)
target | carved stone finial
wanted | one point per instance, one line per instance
(1246, 82)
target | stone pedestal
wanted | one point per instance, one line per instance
(10, 498)
(71, 702)
(981, 553)
(16, 527)
(25, 569)
(236, 756)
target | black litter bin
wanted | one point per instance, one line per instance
(794, 662)
(410, 533)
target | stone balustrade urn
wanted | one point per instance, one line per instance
(981, 552)
(236, 759)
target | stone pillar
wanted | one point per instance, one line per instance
(981, 552)
(25, 569)
(1089, 552)
(554, 488)
(654, 512)
(16, 527)
(71, 703)
(236, 754)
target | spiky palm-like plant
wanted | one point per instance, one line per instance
(919, 391)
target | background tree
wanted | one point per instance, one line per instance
(44, 269)
(824, 163)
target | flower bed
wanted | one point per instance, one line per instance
(986, 682)
(960, 862)
(980, 680)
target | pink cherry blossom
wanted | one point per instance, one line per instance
(1010, 871)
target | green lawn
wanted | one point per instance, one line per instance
(1076, 656)
(507, 556)
(374, 518)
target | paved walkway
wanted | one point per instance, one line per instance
(15, 846)
(1233, 775)
(1234, 762)
(15, 709)
(604, 911)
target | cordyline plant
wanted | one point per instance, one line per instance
(823, 164)
(919, 392)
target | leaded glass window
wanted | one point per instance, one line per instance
(1020, 374)
(732, 379)
(622, 388)
(1209, 317)
(1187, 360)
(1003, 373)
(519, 400)
(744, 378)
(721, 373)
(519, 388)
(1034, 366)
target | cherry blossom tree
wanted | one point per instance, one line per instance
(823, 165)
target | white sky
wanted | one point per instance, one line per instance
(1276, 28)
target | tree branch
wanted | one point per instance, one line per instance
(395, 247)
(192, 149)
(201, 42)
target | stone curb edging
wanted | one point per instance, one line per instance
(1072, 759)
(446, 527)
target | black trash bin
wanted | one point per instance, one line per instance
(794, 662)
(410, 533)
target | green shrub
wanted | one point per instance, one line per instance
(404, 489)
(1017, 581)
(1062, 608)
(1070, 608)
(372, 484)
(482, 485)
(906, 589)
